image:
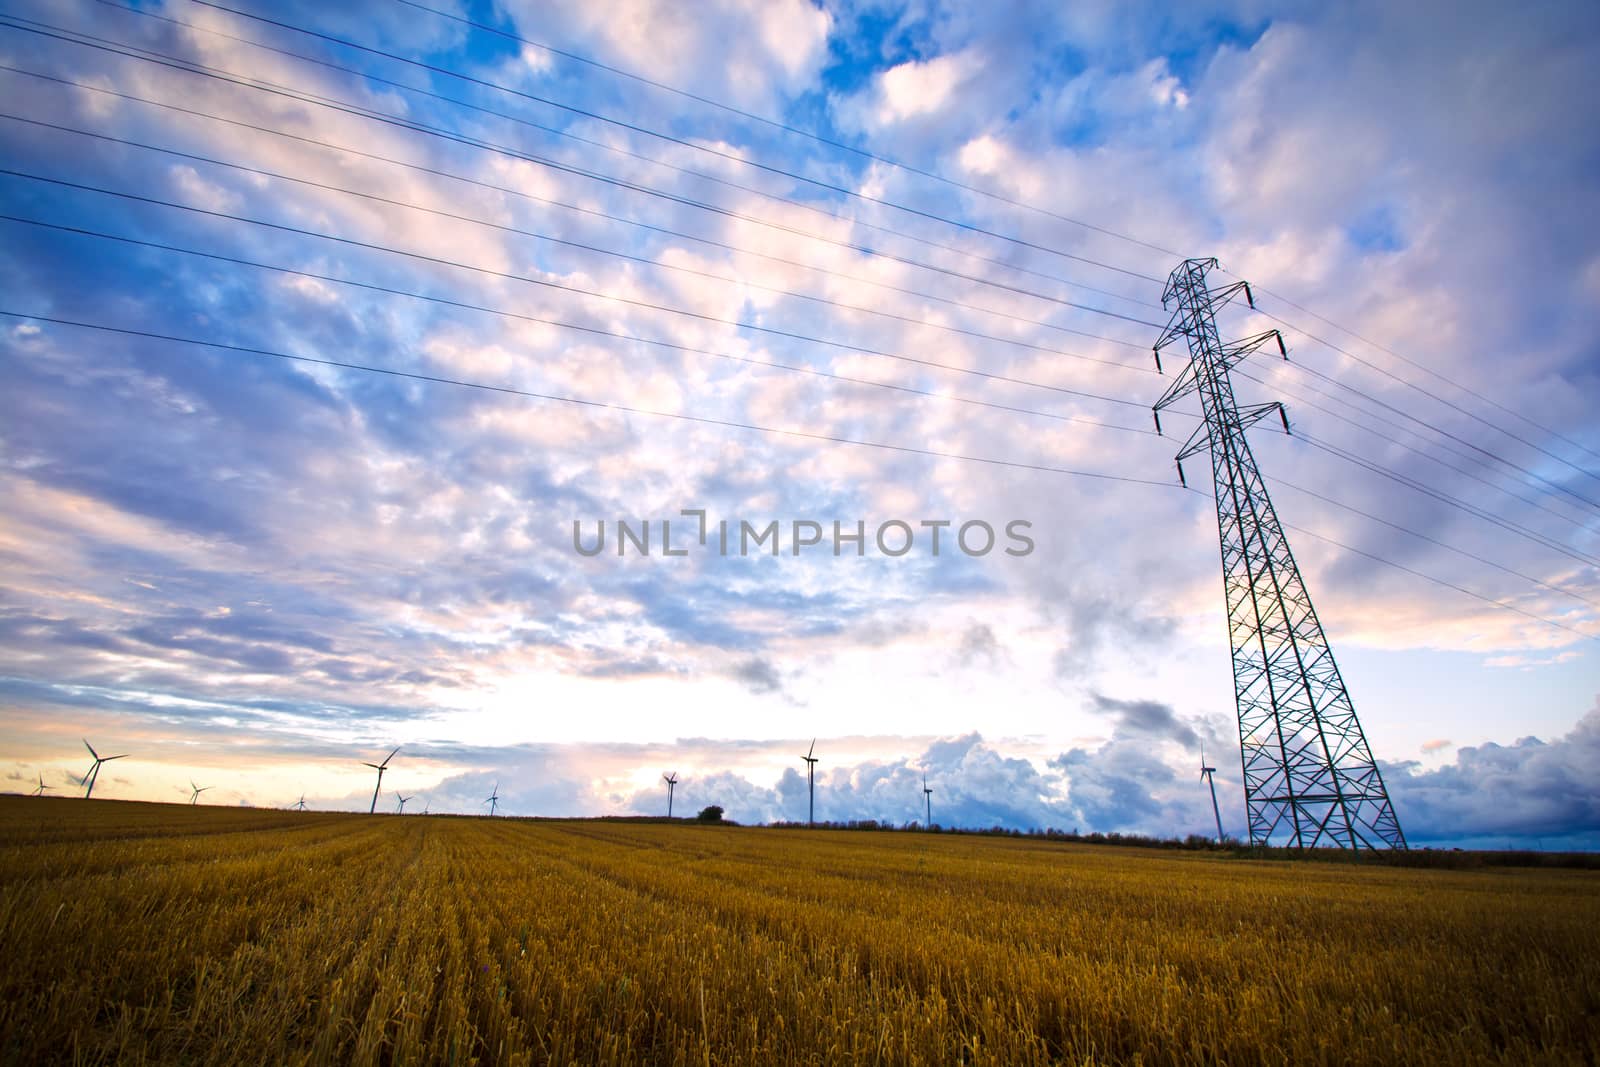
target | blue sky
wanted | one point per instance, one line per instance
(259, 572)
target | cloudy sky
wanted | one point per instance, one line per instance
(324, 329)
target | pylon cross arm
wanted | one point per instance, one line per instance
(1185, 383)
(1234, 352)
(1225, 295)
(1199, 441)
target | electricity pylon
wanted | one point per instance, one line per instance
(1309, 778)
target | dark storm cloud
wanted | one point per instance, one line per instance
(1116, 787)
(980, 647)
(1146, 717)
(1526, 789)
(608, 666)
(758, 675)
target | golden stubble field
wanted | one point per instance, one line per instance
(168, 934)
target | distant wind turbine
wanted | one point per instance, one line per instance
(811, 786)
(195, 791)
(42, 787)
(1207, 775)
(92, 775)
(380, 768)
(672, 784)
(927, 795)
(493, 799)
(300, 805)
(403, 800)
(427, 806)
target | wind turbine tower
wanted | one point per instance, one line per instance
(402, 808)
(42, 787)
(300, 805)
(92, 775)
(493, 799)
(927, 796)
(1207, 775)
(811, 783)
(672, 784)
(380, 768)
(195, 791)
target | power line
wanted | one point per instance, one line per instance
(801, 369)
(1433, 541)
(85, 40)
(1410, 362)
(722, 423)
(456, 264)
(1440, 431)
(535, 198)
(560, 324)
(862, 152)
(1016, 203)
(1438, 581)
(614, 149)
(464, 218)
(585, 113)
(579, 401)
(536, 235)
(623, 124)
(778, 366)
(1436, 430)
(788, 367)
(579, 290)
(1438, 399)
(1314, 406)
(1445, 498)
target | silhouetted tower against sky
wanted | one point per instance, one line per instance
(927, 796)
(672, 785)
(1208, 776)
(1309, 777)
(811, 782)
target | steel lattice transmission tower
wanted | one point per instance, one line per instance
(1309, 777)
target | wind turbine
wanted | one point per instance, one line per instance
(493, 799)
(195, 791)
(672, 783)
(380, 768)
(1207, 775)
(811, 788)
(427, 806)
(300, 805)
(92, 775)
(42, 787)
(402, 803)
(927, 795)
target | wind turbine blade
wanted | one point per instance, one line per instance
(90, 747)
(390, 756)
(374, 766)
(813, 749)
